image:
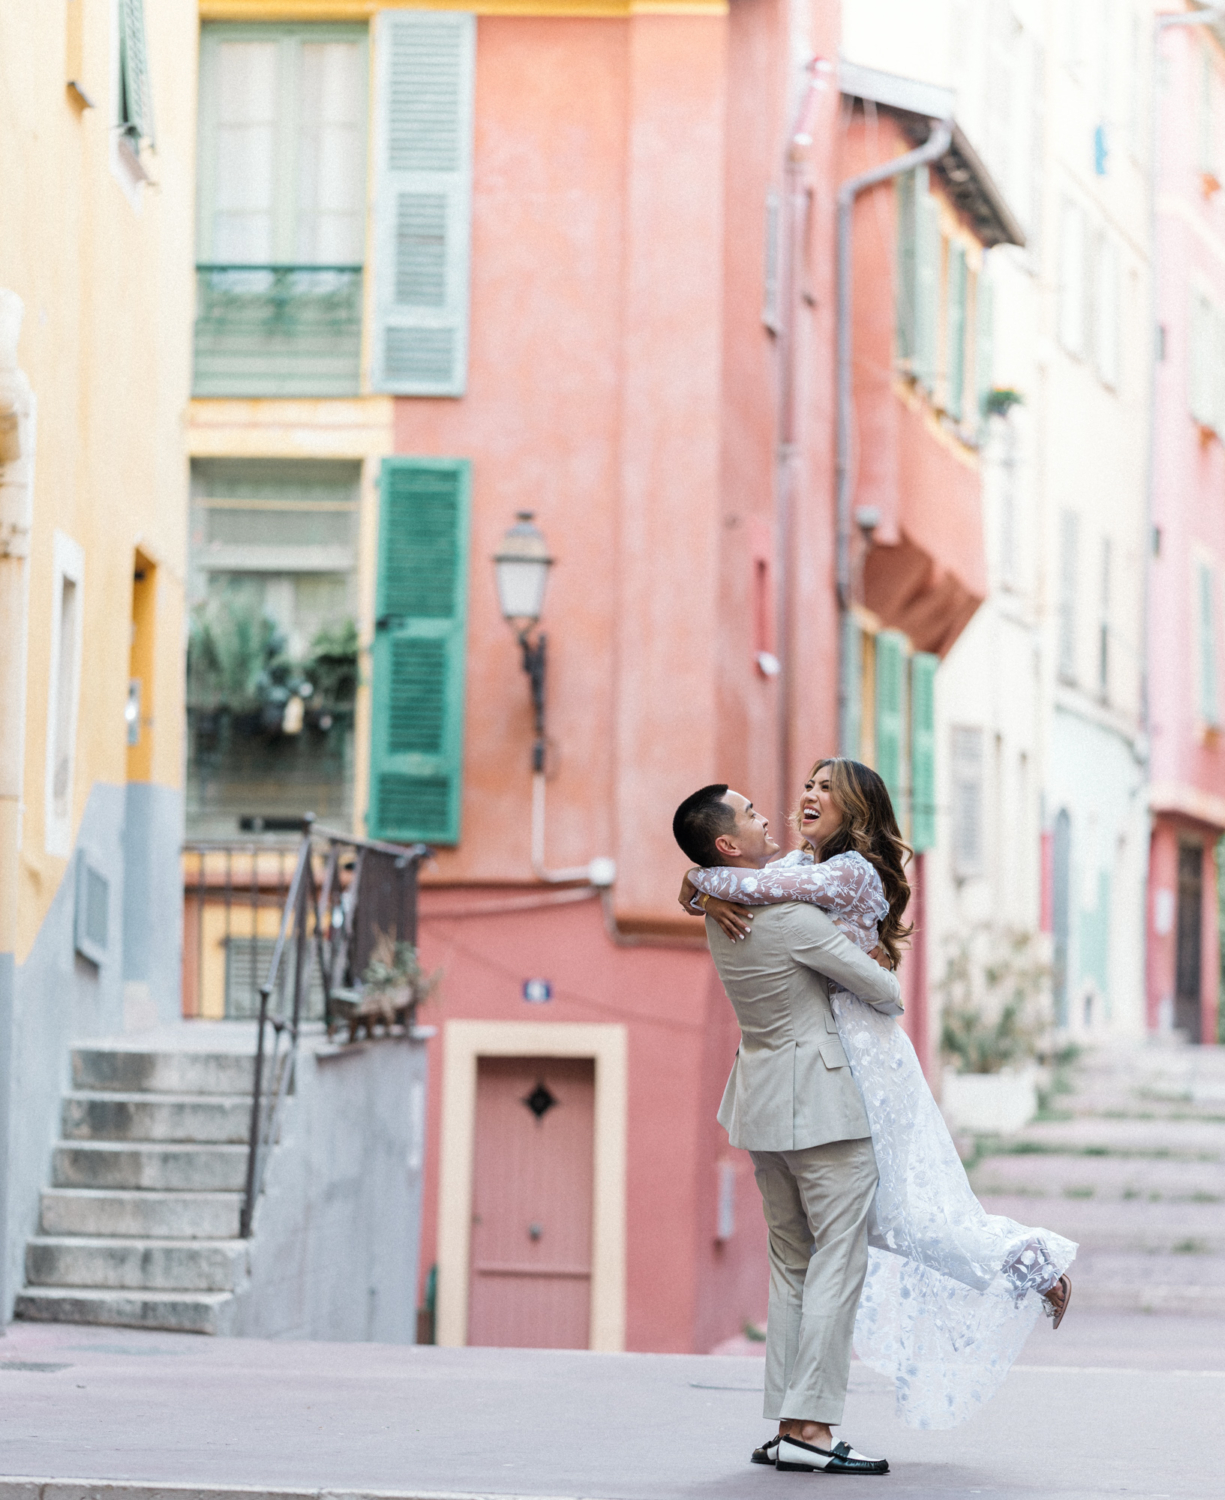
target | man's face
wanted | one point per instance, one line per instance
(749, 842)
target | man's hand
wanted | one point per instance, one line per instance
(881, 957)
(735, 920)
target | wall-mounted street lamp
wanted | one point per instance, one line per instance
(521, 569)
(521, 566)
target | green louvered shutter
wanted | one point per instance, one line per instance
(417, 720)
(956, 331)
(423, 211)
(923, 750)
(927, 282)
(136, 103)
(891, 712)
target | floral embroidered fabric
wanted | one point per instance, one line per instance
(952, 1292)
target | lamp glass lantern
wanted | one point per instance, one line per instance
(522, 566)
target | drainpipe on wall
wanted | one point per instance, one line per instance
(793, 212)
(932, 150)
(16, 510)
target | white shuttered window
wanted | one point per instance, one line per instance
(1106, 311)
(425, 62)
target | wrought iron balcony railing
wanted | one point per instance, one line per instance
(278, 330)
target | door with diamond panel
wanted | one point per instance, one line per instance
(532, 1203)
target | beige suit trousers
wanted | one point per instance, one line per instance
(816, 1203)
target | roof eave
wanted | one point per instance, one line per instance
(970, 185)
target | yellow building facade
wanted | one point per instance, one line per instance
(96, 182)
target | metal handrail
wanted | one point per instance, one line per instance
(325, 920)
(251, 265)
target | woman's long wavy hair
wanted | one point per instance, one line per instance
(869, 827)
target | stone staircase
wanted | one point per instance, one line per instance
(140, 1224)
(1129, 1162)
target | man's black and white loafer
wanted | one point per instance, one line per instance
(766, 1453)
(841, 1459)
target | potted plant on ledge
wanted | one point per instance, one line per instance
(994, 1014)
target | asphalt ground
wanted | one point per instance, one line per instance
(1112, 1404)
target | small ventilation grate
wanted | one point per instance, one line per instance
(540, 1101)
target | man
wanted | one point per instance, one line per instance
(792, 1103)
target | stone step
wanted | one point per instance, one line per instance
(101, 1164)
(1188, 1140)
(1183, 1228)
(180, 1312)
(128, 1071)
(140, 1215)
(146, 1117)
(1155, 1179)
(1123, 1281)
(154, 1265)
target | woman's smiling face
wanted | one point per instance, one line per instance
(820, 815)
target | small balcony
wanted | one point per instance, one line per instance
(278, 330)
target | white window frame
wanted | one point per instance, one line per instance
(1073, 264)
(69, 567)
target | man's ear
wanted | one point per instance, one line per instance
(728, 848)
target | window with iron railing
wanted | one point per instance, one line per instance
(282, 187)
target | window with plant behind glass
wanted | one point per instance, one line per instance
(272, 653)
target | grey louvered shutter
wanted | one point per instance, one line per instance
(957, 285)
(423, 113)
(417, 698)
(904, 305)
(136, 102)
(927, 282)
(984, 338)
(1208, 698)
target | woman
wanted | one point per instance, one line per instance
(952, 1292)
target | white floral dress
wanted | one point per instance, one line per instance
(952, 1292)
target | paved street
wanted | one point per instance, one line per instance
(1111, 1405)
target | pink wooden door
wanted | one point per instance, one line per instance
(532, 1202)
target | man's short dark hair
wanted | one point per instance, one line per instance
(700, 820)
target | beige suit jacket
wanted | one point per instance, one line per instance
(790, 1086)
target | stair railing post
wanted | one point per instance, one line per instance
(248, 1207)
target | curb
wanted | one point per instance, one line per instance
(23, 1488)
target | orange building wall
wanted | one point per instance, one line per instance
(925, 573)
(622, 386)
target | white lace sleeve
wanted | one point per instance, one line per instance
(847, 884)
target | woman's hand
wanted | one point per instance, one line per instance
(688, 892)
(881, 957)
(736, 921)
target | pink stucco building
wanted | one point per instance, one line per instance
(596, 283)
(1186, 689)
